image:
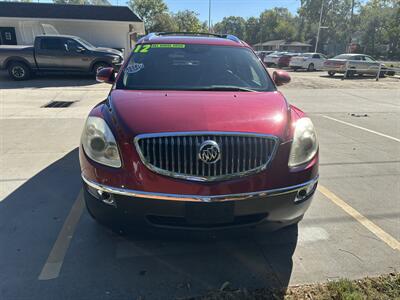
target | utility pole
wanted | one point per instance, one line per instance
(351, 23)
(209, 15)
(319, 25)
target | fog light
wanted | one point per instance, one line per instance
(107, 198)
(305, 192)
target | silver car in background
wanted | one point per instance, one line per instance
(356, 64)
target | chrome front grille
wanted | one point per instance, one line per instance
(177, 154)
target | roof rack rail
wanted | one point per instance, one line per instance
(189, 33)
(223, 36)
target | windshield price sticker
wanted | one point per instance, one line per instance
(145, 48)
(179, 46)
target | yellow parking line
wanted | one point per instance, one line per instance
(375, 229)
(54, 262)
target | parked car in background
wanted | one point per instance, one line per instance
(284, 60)
(359, 64)
(58, 53)
(262, 54)
(273, 58)
(194, 135)
(309, 61)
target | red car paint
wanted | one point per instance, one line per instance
(135, 112)
(284, 61)
(129, 113)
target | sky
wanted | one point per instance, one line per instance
(225, 8)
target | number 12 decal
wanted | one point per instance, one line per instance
(142, 48)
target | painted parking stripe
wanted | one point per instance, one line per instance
(371, 226)
(362, 128)
(54, 262)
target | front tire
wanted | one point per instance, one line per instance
(331, 74)
(311, 67)
(19, 71)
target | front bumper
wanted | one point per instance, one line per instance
(280, 207)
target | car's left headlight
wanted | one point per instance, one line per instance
(305, 144)
(99, 143)
(116, 59)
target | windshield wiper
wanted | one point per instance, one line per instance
(225, 88)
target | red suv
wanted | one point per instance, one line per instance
(194, 134)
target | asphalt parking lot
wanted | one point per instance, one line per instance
(51, 249)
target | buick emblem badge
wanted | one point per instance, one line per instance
(209, 152)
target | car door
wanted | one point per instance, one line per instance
(321, 61)
(78, 57)
(371, 64)
(50, 53)
(356, 63)
(315, 59)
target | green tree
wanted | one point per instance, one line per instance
(379, 23)
(100, 2)
(147, 10)
(188, 21)
(163, 22)
(276, 24)
(232, 25)
(336, 15)
(252, 30)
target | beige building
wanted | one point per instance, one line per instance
(282, 45)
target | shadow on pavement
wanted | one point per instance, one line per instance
(100, 264)
(44, 81)
(340, 76)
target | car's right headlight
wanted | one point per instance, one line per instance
(304, 145)
(99, 143)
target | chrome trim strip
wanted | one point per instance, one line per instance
(205, 133)
(196, 198)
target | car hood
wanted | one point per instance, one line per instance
(109, 50)
(169, 111)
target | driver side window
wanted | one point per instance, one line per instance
(367, 58)
(72, 45)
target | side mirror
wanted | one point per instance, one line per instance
(106, 75)
(280, 77)
(80, 49)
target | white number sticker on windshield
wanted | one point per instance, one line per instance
(134, 68)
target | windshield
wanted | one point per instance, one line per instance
(85, 43)
(194, 67)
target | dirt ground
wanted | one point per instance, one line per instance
(383, 287)
(321, 80)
